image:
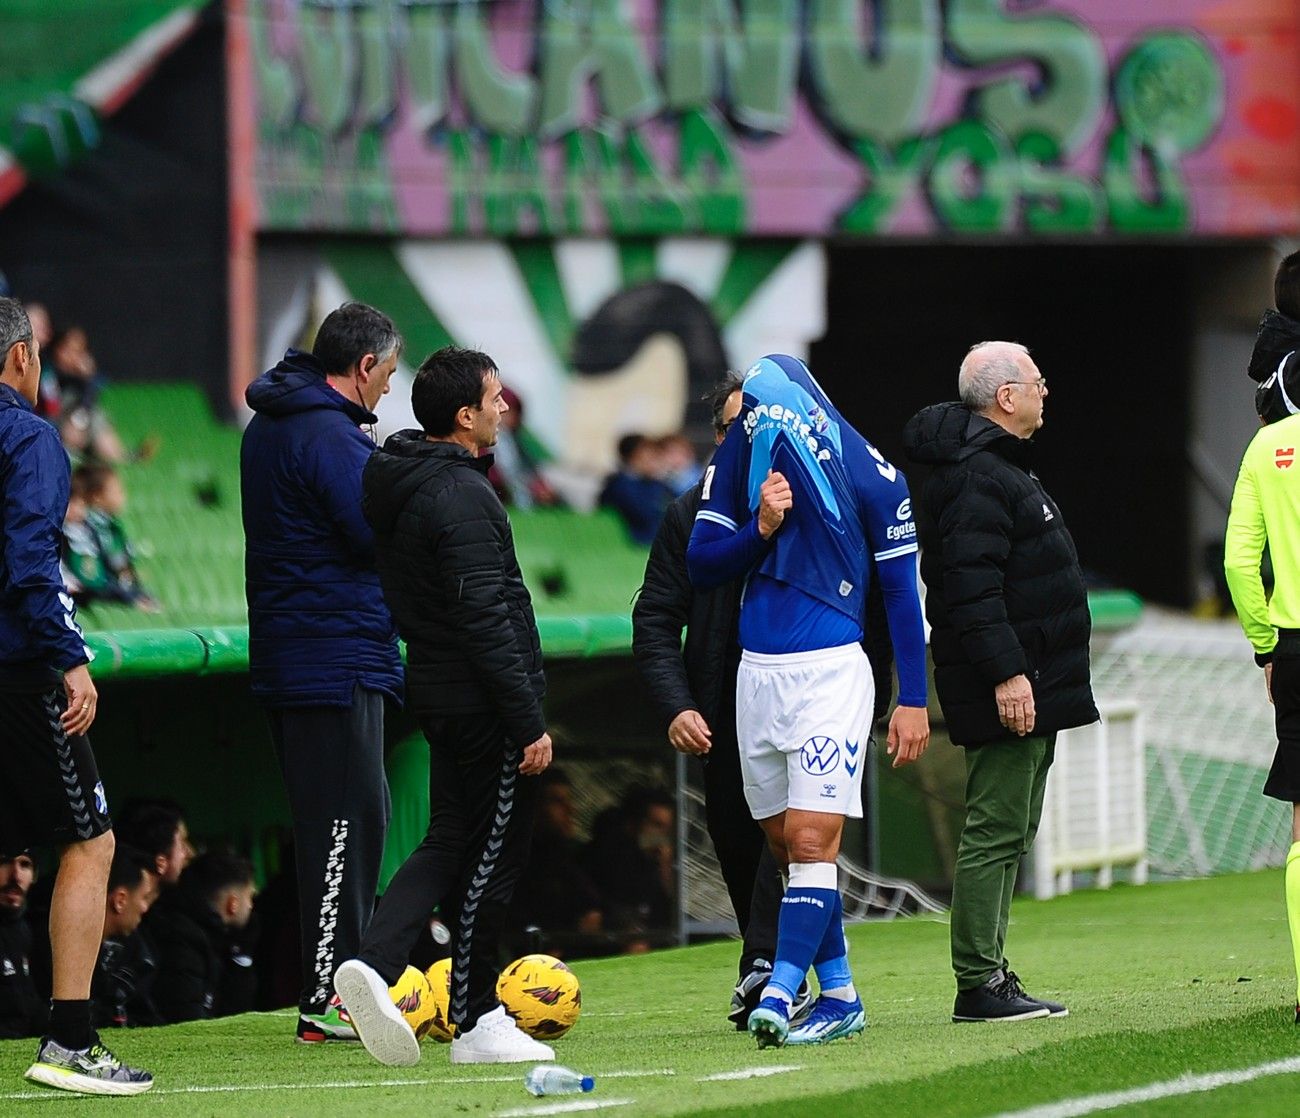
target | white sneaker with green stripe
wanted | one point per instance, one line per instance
(87, 1071)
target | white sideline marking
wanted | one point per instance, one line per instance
(1169, 1088)
(749, 1073)
(342, 1085)
(563, 1107)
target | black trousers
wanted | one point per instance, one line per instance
(333, 764)
(480, 831)
(751, 874)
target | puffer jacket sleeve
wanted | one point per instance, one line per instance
(35, 501)
(661, 613)
(334, 462)
(975, 529)
(469, 550)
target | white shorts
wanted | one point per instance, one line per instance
(802, 721)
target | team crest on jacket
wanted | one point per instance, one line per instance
(1283, 457)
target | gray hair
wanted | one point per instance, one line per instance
(987, 367)
(15, 326)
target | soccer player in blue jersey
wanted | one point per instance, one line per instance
(800, 503)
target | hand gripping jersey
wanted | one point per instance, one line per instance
(849, 506)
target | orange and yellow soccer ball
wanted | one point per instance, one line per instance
(440, 1027)
(542, 995)
(413, 995)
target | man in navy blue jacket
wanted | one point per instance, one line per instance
(322, 646)
(47, 703)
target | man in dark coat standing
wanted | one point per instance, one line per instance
(1009, 637)
(474, 673)
(322, 649)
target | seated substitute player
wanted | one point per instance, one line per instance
(800, 501)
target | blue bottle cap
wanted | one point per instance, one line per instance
(588, 1084)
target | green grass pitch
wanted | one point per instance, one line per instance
(1162, 982)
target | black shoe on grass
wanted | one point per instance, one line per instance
(749, 991)
(999, 999)
(1054, 1009)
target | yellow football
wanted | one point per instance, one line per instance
(439, 978)
(414, 997)
(541, 994)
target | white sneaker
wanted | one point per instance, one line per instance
(378, 1022)
(496, 1039)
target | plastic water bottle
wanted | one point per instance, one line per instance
(551, 1079)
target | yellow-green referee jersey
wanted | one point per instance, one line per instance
(1266, 509)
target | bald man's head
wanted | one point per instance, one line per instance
(1000, 380)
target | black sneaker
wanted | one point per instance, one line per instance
(749, 991)
(87, 1071)
(999, 999)
(1054, 1009)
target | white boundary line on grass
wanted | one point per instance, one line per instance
(563, 1107)
(1167, 1089)
(750, 1073)
(339, 1085)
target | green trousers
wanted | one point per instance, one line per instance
(1005, 781)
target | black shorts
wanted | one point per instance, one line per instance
(51, 787)
(1284, 777)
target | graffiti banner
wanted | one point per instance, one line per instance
(775, 117)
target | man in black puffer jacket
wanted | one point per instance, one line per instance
(447, 565)
(1009, 637)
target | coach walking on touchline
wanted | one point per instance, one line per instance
(47, 703)
(1009, 636)
(474, 680)
(322, 650)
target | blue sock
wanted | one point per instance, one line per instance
(832, 959)
(808, 905)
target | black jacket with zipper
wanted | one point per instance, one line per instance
(1004, 592)
(447, 565)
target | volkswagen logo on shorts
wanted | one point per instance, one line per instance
(819, 756)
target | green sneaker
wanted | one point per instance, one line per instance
(333, 1024)
(87, 1071)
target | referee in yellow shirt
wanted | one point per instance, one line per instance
(1266, 510)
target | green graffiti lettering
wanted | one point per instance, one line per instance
(514, 188)
(277, 89)
(328, 52)
(370, 203)
(890, 179)
(460, 180)
(1068, 103)
(497, 99)
(578, 168)
(1054, 200)
(710, 174)
(1130, 212)
(377, 100)
(972, 181)
(292, 202)
(426, 43)
(752, 60)
(880, 92)
(593, 41)
(661, 204)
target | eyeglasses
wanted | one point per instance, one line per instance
(1040, 383)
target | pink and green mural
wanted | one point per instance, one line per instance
(911, 118)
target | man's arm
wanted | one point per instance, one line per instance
(468, 559)
(35, 500)
(1243, 551)
(338, 458)
(662, 611)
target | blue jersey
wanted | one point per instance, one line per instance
(807, 587)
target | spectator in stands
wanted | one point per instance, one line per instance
(204, 966)
(83, 425)
(556, 894)
(631, 859)
(23, 1012)
(158, 828)
(514, 474)
(681, 469)
(322, 647)
(637, 491)
(96, 549)
(121, 974)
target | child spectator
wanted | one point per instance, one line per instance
(514, 474)
(97, 552)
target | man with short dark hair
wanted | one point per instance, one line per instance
(1009, 632)
(119, 972)
(474, 679)
(204, 970)
(157, 828)
(636, 490)
(22, 1012)
(322, 650)
(47, 703)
